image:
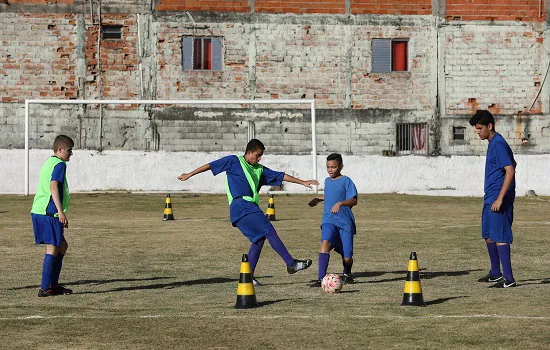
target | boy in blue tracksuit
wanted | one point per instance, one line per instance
(245, 177)
(498, 202)
(338, 223)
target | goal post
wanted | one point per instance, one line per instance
(28, 104)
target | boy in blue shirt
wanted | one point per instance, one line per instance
(338, 223)
(48, 215)
(498, 202)
(245, 177)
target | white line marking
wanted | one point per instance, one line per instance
(332, 316)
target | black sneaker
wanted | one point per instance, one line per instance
(503, 283)
(45, 293)
(298, 265)
(490, 278)
(348, 279)
(315, 284)
(256, 283)
(61, 290)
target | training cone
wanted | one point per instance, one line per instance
(270, 213)
(412, 295)
(246, 298)
(168, 214)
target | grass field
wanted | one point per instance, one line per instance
(142, 283)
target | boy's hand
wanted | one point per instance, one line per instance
(63, 219)
(496, 205)
(184, 177)
(336, 207)
(308, 183)
(314, 202)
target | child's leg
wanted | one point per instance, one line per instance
(346, 251)
(58, 264)
(48, 266)
(324, 258)
(278, 245)
(254, 254)
(506, 261)
(493, 257)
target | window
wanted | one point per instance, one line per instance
(111, 32)
(412, 138)
(202, 54)
(458, 133)
(390, 55)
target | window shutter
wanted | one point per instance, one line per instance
(187, 53)
(381, 55)
(217, 63)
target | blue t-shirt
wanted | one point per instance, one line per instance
(239, 187)
(339, 190)
(499, 155)
(58, 174)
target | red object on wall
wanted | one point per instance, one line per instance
(400, 57)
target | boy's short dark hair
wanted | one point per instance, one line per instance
(254, 145)
(482, 117)
(337, 157)
(63, 141)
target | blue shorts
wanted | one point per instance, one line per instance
(497, 226)
(47, 230)
(254, 226)
(341, 240)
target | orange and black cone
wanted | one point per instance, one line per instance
(246, 297)
(168, 214)
(412, 295)
(270, 213)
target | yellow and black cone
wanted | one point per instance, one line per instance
(412, 295)
(246, 297)
(168, 214)
(270, 213)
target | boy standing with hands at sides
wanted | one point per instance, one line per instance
(498, 202)
(245, 177)
(338, 223)
(48, 215)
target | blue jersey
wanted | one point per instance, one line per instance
(58, 175)
(499, 155)
(339, 190)
(239, 186)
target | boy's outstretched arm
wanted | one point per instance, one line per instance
(349, 203)
(306, 183)
(316, 201)
(186, 176)
(54, 190)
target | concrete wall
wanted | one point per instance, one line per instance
(158, 171)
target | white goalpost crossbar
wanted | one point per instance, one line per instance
(168, 102)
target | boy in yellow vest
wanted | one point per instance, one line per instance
(245, 177)
(48, 215)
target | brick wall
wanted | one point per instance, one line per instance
(393, 7)
(496, 10)
(204, 5)
(301, 6)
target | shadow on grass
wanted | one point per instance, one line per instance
(535, 281)
(423, 275)
(442, 300)
(168, 285)
(98, 282)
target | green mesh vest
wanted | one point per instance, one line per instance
(43, 193)
(253, 174)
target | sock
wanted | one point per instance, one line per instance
(323, 265)
(278, 246)
(506, 261)
(47, 270)
(347, 267)
(494, 257)
(254, 254)
(56, 270)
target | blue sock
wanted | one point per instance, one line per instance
(506, 261)
(47, 271)
(278, 246)
(347, 267)
(323, 265)
(495, 260)
(254, 254)
(57, 270)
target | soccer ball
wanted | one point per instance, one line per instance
(332, 283)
